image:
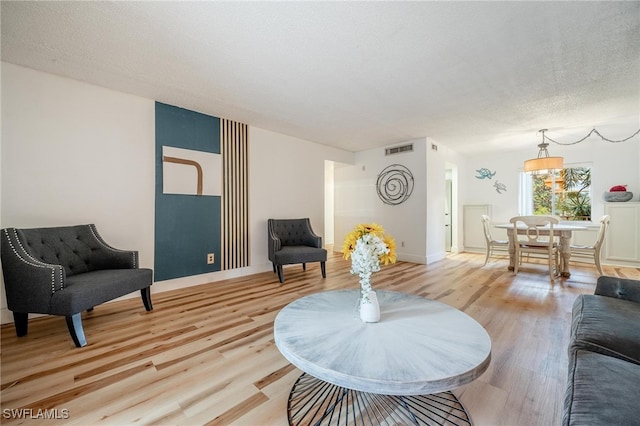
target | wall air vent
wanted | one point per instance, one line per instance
(398, 149)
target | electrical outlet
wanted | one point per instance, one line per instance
(211, 258)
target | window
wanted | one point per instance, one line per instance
(565, 193)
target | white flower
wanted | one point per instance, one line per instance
(365, 259)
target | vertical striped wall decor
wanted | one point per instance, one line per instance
(234, 141)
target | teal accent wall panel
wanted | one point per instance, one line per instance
(187, 227)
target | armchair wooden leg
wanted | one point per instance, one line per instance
(304, 266)
(146, 298)
(21, 322)
(323, 269)
(74, 324)
(280, 274)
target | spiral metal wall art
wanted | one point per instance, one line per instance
(395, 184)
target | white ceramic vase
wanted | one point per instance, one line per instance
(369, 308)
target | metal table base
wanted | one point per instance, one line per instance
(316, 402)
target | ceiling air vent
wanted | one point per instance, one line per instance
(398, 149)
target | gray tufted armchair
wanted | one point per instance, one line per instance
(293, 241)
(64, 271)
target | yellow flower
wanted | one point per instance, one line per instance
(373, 228)
(349, 245)
(390, 257)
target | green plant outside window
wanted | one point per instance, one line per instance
(565, 193)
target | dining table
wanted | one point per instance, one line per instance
(564, 231)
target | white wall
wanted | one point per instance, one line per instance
(436, 200)
(611, 164)
(357, 201)
(77, 153)
(456, 164)
(440, 163)
(286, 181)
(329, 228)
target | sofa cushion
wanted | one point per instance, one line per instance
(300, 254)
(606, 325)
(601, 390)
(105, 285)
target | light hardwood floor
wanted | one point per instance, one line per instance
(206, 355)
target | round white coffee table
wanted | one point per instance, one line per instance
(401, 369)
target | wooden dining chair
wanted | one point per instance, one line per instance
(580, 252)
(493, 245)
(534, 235)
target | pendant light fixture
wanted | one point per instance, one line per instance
(544, 164)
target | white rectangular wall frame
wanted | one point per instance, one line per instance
(473, 238)
(622, 243)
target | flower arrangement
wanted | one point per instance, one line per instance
(368, 246)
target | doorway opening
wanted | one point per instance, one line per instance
(451, 208)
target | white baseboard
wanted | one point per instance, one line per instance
(411, 258)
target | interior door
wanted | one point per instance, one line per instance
(447, 216)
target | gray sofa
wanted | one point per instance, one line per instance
(64, 271)
(604, 356)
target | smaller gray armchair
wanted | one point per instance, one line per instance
(293, 241)
(64, 271)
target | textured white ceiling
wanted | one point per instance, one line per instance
(476, 76)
